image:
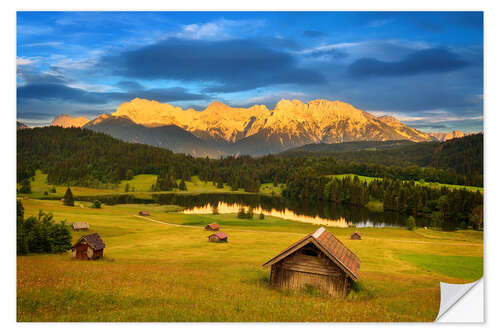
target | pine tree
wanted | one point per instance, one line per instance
(25, 186)
(20, 209)
(410, 223)
(68, 198)
(127, 187)
(241, 213)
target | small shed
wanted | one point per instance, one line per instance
(319, 260)
(144, 213)
(80, 226)
(218, 237)
(88, 247)
(356, 235)
(212, 227)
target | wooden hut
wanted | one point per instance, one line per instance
(218, 237)
(212, 227)
(80, 226)
(144, 213)
(356, 235)
(88, 247)
(319, 260)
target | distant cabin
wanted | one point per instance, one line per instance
(319, 260)
(218, 237)
(144, 213)
(356, 235)
(80, 226)
(88, 247)
(212, 227)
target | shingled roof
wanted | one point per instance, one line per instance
(221, 235)
(328, 244)
(213, 225)
(80, 225)
(94, 240)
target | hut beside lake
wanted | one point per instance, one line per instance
(212, 227)
(88, 247)
(218, 237)
(356, 235)
(80, 226)
(319, 260)
(144, 213)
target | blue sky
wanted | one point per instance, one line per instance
(425, 68)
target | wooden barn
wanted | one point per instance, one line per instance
(80, 226)
(319, 260)
(144, 213)
(212, 227)
(356, 235)
(88, 247)
(218, 237)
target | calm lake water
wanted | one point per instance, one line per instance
(324, 213)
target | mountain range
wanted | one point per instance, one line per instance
(220, 129)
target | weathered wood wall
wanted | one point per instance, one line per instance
(298, 270)
(84, 252)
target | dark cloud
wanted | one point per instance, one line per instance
(30, 74)
(64, 93)
(314, 33)
(161, 95)
(281, 43)
(327, 54)
(129, 85)
(53, 91)
(233, 65)
(424, 61)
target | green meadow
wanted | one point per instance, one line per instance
(163, 268)
(140, 185)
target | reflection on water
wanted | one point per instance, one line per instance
(325, 213)
(224, 208)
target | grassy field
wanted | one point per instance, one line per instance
(439, 185)
(140, 186)
(170, 272)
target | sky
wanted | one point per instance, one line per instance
(425, 68)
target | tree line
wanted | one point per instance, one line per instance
(448, 209)
(82, 157)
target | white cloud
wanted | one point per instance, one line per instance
(22, 61)
(428, 116)
(91, 87)
(217, 30)
(384, 50)
(53, 44)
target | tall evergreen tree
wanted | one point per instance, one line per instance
(68, 198)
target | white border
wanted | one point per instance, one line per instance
(492, 140)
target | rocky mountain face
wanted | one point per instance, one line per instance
(220, 129)
(445, 136)
(258, 130)
(65, 120)
(169, 136)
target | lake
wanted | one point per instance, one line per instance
(322, 213)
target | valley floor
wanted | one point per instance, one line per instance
(170, 272)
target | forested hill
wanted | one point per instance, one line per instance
(83, 157)
(88, 158)
(464, 155)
